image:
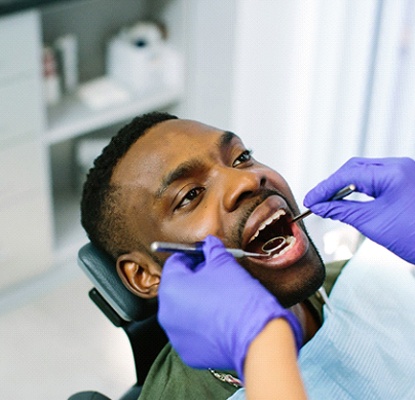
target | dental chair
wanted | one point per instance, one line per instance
(136, 316)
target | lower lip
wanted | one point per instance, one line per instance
(289, 257)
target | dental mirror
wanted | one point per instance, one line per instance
(274, 244)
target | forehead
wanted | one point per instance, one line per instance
(161, 148)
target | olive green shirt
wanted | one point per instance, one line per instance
(170, 378)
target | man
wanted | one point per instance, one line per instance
(172, 180)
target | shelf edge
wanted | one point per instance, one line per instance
(109, 116)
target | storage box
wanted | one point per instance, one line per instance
(143, 68)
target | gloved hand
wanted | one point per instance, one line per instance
(212, 309)
(388, 219)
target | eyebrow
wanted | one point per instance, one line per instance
(226, 139)
(187, 168)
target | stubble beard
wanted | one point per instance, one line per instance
(311, 272)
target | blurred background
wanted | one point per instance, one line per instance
(306, 84)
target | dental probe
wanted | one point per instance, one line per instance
(339, 195)
(196, 248)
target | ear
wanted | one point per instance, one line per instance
(139, 273)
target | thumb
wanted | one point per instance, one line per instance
(180, 263)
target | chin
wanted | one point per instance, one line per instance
(291, 267)
(293, 284)
(290, 295)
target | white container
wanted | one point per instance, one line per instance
(139, 68)
(67, 50)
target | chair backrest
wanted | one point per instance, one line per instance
(137, 316)
(100, 268)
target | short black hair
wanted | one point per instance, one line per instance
(101, 217)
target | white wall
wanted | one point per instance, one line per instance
(210, 40)
(306, 84)
(300, 79)
(274, 55)
(391, 120)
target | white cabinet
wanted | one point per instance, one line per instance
(25, 212)
(19, 45)
(39, 206)
(23, 170)
(20, 110)
(25, 238)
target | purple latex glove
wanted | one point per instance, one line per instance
(212, 309)
(388, 219)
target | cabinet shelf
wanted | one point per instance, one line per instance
(71, 117)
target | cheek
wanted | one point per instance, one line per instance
(191, 228)
(278, 182)
(198, 222)
(146, 226)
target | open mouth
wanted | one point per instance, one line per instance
(274, 236)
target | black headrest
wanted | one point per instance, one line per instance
(100, 268)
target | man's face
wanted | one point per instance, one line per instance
(184, 180)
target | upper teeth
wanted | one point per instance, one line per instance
(267, 222)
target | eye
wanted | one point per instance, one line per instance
(190, 196)
(243, 158)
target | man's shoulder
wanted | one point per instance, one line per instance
(170, 378)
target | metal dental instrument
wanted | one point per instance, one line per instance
(339, 195)
(280, 242)
(196, 248)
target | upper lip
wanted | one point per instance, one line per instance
(264, 211)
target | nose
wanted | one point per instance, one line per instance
(240, 185)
